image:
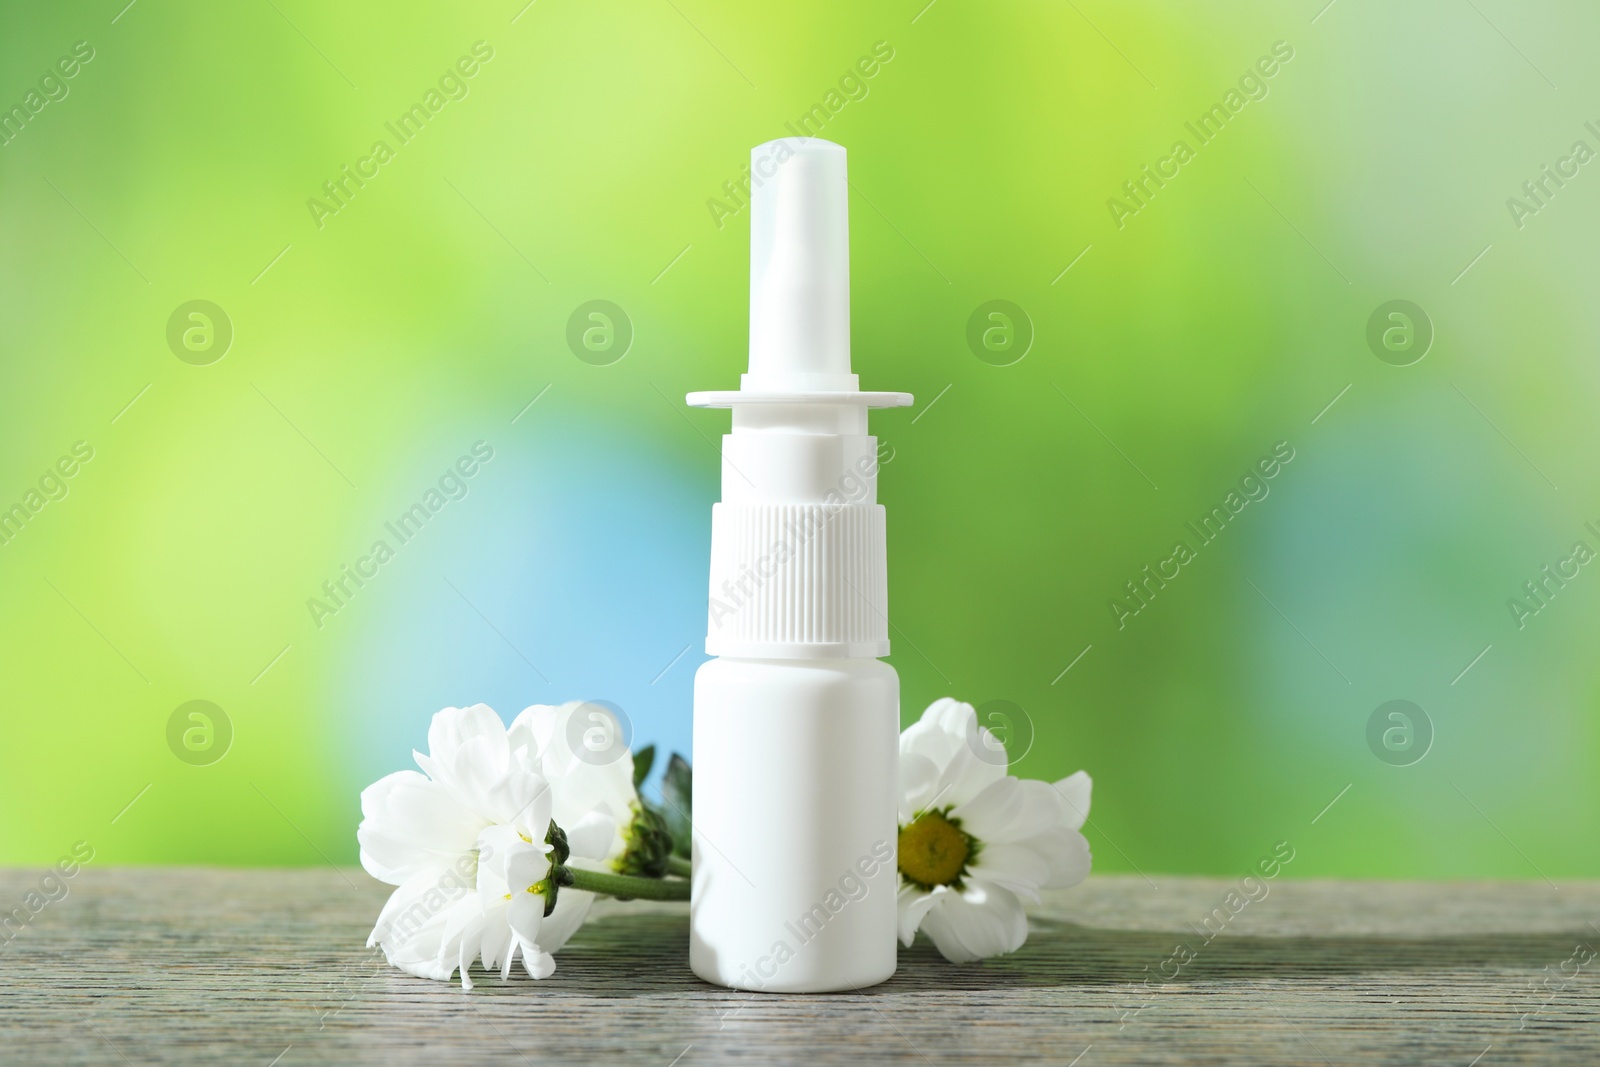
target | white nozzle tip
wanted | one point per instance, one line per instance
(799, 266)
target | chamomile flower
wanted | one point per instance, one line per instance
(975, 842)
(471, 845)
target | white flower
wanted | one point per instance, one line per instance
(586, 760)
(976, 842)
(466, 843)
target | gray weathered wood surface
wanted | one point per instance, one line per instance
(164, 966)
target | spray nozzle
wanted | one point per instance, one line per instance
(799, 281)
(799, 265)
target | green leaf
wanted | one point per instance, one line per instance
(643, 760)
(675, 796)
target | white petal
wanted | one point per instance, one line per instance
(429, 767)
(496, 845)
(533, 729)
(477, 767)
(572, 908)
(919, 779)
(1065, 851)
(537, 964)
(1010, 810)
(593, 836)
(411, 824)
(467, 925)
(454, 727)
(966, 775)
(525, 865)
(406, 912)
(959, 722)
(952, 716)
(434, 949)
(495, 947)
(492, 939)
(911, 905)
(508, 956)
(1020, 868)
(409, 803)
(991, 750)
(943, 728)
(983, 921)
(525, 913)
(1075, 790)
(523, 799)
(468, 753)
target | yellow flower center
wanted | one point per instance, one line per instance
(934, 850)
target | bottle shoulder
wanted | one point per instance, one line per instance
(818, 670)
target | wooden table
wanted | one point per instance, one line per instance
(169, 966)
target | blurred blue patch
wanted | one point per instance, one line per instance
(574, 568)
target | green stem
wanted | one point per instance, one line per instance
(625, 885)
(678, 865)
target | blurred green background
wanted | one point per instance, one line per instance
(1163, 351)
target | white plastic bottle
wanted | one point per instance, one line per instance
(796, 722)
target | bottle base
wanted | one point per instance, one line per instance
(781, 982)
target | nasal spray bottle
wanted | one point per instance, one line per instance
(796, 720)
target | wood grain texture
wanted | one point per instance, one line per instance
(171, 966)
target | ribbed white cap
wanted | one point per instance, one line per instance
(798, 581)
